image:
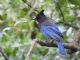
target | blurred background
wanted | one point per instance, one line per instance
(17, 25)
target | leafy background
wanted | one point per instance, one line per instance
(16, 26)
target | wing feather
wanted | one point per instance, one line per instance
(49, 33)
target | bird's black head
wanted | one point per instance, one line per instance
(41, 17)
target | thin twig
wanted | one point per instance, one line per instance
(30, 50)
(67, 24)
(57, 4)
(32, 8)
(3, 54)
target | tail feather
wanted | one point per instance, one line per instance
(61, 49)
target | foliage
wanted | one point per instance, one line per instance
(16, 26)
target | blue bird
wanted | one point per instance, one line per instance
(50, 31)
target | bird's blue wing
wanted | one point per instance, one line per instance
(49, 33)
(52, 27)
(56, 30)
(44, 32)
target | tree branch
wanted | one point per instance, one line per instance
(3, 54)
(69, 46)
(52, 44)
(61, 12)
(30, 50)
(67, 24)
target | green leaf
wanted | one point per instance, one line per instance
(75, 2)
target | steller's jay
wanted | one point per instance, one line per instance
(50, 31)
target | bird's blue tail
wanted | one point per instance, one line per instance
(61, 49)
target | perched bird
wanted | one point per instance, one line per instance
(50, 31)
